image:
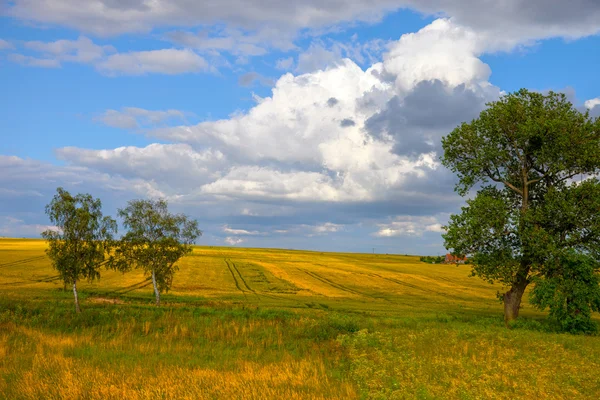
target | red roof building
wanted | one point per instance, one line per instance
(452, 259)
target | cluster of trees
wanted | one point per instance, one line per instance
(84, 241)
(432, 259)
(535, 219)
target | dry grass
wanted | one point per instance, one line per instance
(261, 324)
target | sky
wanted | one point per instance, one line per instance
(305, 125)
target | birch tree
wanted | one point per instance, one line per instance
(154, 242)
(82, 239)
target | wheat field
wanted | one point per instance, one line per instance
(270, 323)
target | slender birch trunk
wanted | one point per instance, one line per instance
(77, 309)
(156, 292)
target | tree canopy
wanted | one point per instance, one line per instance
(155, 241)
(82, 238)
(533, 158)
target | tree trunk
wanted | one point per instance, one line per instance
(77, 309)
(156, 292)
(512, 300)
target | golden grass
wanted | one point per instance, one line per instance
(262, 324)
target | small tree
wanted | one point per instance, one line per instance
(155, 241)
(571, 291)
(82, 239)
(527, 147)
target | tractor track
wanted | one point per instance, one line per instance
(21, 262)
(30, 281)
(339, 286)
(410, 285)
(237, 284)
(131, 288)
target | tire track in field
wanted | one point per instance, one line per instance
(21, 262)
(244, 281)
(410, 285)
(135, 288)
(249, 289)
(339, 286)
(31, 281)
(131, 288)
(237, 284)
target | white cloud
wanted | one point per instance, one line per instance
(6, 45)
(327, 227)
(250, 78)
(34, 61)
(441, 50)
(174, 166)
(232, 241)
(507, 22)
(82, 50)
(409, 226)
(164, 61)
(108, 61)
(591, 103)
(232, 231)
(14, 227)
(133, 117)
(285, 63)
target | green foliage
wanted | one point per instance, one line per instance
(82, 238)
(432, 259)
(524, 151)
(571, 290)
(155, 241)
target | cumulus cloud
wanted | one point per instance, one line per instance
(341, 145)
(337, 145)
(172, 166)
(163, 61)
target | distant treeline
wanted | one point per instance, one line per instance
(432, 259)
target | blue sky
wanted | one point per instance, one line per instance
(314, 126)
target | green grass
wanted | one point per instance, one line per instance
(262, 323)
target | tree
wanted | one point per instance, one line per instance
(155, 241)
(525, 151)
(571, 291)
(82, 240)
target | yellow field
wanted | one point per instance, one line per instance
(271, 277)
(260, 323)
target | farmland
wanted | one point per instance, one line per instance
(269, 323)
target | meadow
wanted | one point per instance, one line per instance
(269, 323)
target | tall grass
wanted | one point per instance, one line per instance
(264, 324)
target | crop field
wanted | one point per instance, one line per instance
(279, 324)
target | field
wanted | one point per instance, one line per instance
(265, 324)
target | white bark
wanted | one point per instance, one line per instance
(77, 309)
(156, 292)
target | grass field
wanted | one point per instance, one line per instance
(262, 324)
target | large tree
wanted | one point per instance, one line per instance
(533, 157)
(155, 241)
(82, 238)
